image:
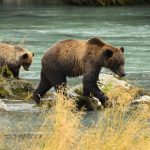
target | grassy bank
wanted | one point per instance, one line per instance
(63, 129)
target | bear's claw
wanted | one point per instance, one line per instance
(37, 98)
(108, 104)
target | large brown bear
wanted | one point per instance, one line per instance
(72, 58)
(15, 57)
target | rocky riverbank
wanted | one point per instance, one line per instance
(122, 93)
(15, 89)
(21, 120)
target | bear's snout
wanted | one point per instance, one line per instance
(121, 71)
(26, 68)
(123, 74)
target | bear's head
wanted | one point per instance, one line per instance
(114, 60)
(112, 57)
(25, 57)
(26, 60)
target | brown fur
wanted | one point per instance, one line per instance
(15, 57)
(79, 57)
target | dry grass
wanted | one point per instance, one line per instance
(61, 126)
(116, 130)
(123, 96)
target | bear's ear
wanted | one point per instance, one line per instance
(122, 49)
(33, 54)
(108, 53)
(17, 48)
(25, 55)
(96, 41)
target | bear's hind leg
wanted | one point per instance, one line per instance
(61, 84)
(43, 87)
(86, 92)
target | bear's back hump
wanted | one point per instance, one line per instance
(6, 50)
(8, 53)
(67, 49)
(68, 55)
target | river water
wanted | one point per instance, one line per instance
(40, 27)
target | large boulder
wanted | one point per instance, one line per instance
(141, 103)
(119, 91)
(110, 80)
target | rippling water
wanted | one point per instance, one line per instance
(40, 27)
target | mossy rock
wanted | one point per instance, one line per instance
(15, 89)
(119, 92)
(4, 93)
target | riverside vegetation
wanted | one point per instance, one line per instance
(119, 128)
(14, 89)
(63, 129)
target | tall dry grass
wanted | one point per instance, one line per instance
(61, 126)
(122, 96)
(116, 130)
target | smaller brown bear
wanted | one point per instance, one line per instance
(72, 58)
(15, 57)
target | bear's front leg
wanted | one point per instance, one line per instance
(90, 86)
(15, 73)
(96, 92)
(15, 70)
